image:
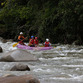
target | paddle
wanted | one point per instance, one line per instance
(15, 44)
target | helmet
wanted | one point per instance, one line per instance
(36, 38)
(47, 40)
(21, 33)
(32, 37)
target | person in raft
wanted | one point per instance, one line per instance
(36, 43)
(21, 38)
(47, 43)
(31, 42)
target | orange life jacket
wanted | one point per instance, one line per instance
(20, 37)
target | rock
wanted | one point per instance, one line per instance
(1, 49)
(18, 55)
(6, 58)
(20, 67)
(9, 75)
(3, 40)
(19, 79)
(77, 42)
(9, 40)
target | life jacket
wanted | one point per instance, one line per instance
(31, 41)
(35, 41)
(47, 44)
(20, 37)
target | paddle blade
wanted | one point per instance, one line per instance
(41, 46)
(15, 44)
(29, 44)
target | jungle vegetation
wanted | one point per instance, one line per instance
(59, 20)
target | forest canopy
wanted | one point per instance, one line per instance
(59, 20)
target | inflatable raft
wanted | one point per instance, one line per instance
(33, 48)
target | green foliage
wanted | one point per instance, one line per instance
(59, 20)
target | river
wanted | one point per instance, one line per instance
(63, 64)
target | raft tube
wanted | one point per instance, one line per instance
(33, 48)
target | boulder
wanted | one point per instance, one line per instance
(9, 75)
(18, 55)
(3, 40)
(1, 49)
(77, 42)
(20, 67)
(19, 79)
(9, 40)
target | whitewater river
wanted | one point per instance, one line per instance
(63, 64)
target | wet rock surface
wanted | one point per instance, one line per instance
(19, 79)
(9, 40)
(1, 50)
(20, 67)
(3, 40)
(18, 55)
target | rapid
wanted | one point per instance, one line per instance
(62, 64)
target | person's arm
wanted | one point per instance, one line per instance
(23, 38)
(44, 43)
(49, 44)
(29, 42)
(19, 38)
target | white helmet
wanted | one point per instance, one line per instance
(21, 33)
(47, 40)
